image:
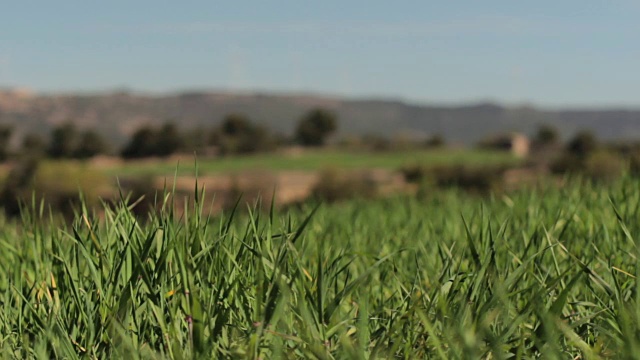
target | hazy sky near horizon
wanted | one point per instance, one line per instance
(551, 53)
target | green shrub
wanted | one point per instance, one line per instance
(601, 165)
(604, 166)
(478, 179)
(481, 179)
(59, 183)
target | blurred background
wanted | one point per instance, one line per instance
(326, 100)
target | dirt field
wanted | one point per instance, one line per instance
(290, 186)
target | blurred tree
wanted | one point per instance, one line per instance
(19, 181)
(547, 135)
(142, 144)
(34, 145)
(237, 134)
(583, 144)
(90, 145)
(215, 137)
(315, 126)
(255, 139)
(195, 140)
(5, 137)
(236, 125)
(435, 141)
(64, 140)
(168, 140)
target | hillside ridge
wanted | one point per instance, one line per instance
(117, 114)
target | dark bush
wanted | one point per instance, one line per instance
(478, 179)
(17, 184)
(583, 144)
(148, 141)
(547, 135)
(599, 166)
(414, 174)
(63, 142)
(140, 193)
(142, 144)
(238, 135)
(33, 145)
(604, 166)
(634, 162)
(169, 140)
(435, 141)
(335, 185)
(90, 144)
(567, 163)
(6, 132)
(315, 126)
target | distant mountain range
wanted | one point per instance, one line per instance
(117, 114)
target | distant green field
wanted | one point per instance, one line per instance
(316, 160)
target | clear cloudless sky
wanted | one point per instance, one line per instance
(549, 53)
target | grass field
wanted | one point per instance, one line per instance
(315, 160)
(549, 273)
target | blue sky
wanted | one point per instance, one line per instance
(550, 53)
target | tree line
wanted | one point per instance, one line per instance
(237, 134)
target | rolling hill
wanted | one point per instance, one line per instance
(117, 114)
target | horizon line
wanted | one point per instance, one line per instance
(328, 95)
